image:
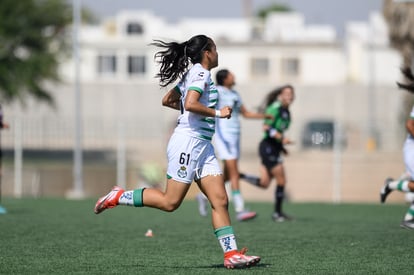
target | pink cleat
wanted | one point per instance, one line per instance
(108, 201)
(246, 215)
(240, 260)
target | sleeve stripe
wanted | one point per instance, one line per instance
(197, 89)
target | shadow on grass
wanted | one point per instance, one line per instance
(215, 266)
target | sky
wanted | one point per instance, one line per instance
(332, 12)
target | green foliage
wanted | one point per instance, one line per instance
(52, 236)
(32, 37)
(263, 12)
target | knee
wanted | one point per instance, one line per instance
(220, 201)
(265, 184)
(171, 206)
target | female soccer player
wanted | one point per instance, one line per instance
(190, 152)
(227, 141)
(272, 146)
(405, 185)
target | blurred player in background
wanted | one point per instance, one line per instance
(227, 142)
(272, 147)
(405, 184)
(190, 152)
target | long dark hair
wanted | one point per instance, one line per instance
(272, 96)
(410, 78)
(221, 76)
(175, 57)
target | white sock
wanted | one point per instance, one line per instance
(238, 201)
(410, 213)
(401, 185)
(226, 238)
(127, 198)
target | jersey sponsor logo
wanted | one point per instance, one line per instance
(182, 172)
(199, 76)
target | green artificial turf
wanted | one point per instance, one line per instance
(55, 236)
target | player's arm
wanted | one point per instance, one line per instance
(172, 99)
(247, 114)
(272, 130)
(268, 124)
(192, 104)
(410, 126)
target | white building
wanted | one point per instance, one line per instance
(350, 83)
(118, 69)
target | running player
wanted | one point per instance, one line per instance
(190, 152)
(272, 147)
(227, 142)
(405, 184)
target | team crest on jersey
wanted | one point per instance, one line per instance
(182, 172)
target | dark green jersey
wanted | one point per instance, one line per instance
(281, 119)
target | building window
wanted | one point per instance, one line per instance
(136, 64)
(106, 64)
(290, 67)
(134, 28)
(260, 66)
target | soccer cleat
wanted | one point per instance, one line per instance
(202, 204)
(240, 260)
(281, 217)
(409, 224)
(108, 201)
(245, 215)
(385, 190)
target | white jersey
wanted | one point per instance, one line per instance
(189, 123)
(409, 151)
(232, 99)
(412, 117)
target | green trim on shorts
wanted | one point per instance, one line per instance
(410, 211)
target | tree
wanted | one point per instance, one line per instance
(32, 38)
(400, 20)
(263, 12)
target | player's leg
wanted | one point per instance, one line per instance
(278, 172)
(231, 168)
(202, 204)
(169, 200)
(408, 221)
(403, 185)
(268, 160)
(210, 180)
(182, 154)
(213, 187)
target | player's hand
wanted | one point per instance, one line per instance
(287, 141)
(267, 116)
(226, 112)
